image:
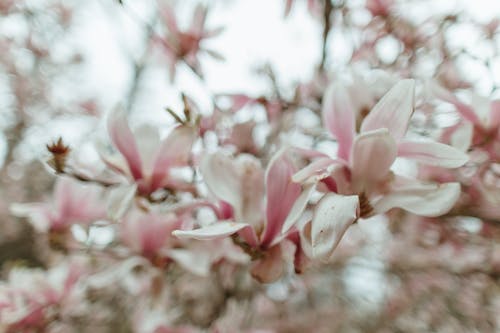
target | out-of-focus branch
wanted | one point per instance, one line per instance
(327, 13)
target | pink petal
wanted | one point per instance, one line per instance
(393, 111)
(64, 191)
(124, 140)
(281, 195)
(420, 199)
(198, 21)
(433, 153)
(495, 114)
(339, 118)
(298, 208)
(213, 231)
(169, 19)
(332, 216)
(288, 7)
(175, 150)
(372, 156)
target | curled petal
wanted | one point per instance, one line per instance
(315, 171)
(332, 216)
(213, 231)
(338, 117)
(393, 111)
(433, 153)
(124, 140)
(372, 156)
(420, 199)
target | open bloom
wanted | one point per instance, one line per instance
(186, 45)
(31, 299)
(480, 127)
(144, 158)
(239, 184)
(361, 180)
(72, 203)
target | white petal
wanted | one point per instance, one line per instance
(299, 207)
(315, 171)
(433, 153)
(213, 231)
(239, 182)
(332, 216)
(393, 111)
(194, 262)
(421, 199)
(372, 156)
(120, 199)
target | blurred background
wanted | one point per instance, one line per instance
(65, 64)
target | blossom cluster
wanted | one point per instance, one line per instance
(214, 223)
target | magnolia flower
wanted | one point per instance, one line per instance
(360, 180)
(481, 125)
(149, 234)
(144, 158)
(239, 184)
(30, 300)
(186, 45)
(72, 203)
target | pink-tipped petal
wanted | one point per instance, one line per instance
(420, 199)
(174, 151)
(339, 118)
(281, 195)
(333, 215)
(213, 231)
(372, 156)
(393, 111)
(432, 153)
(124, 140)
